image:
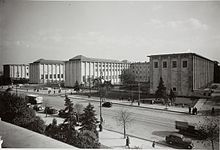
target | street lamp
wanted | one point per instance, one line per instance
(101, 81)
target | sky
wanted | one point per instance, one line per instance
(121, 30)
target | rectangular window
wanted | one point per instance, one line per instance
(61, 75)
(46, 76)
(174, 89)
(164, 64)
(58, 75)
(42, 76)
(174, 64)
(55, 76)
(50, 76)
(184, 64)
(155, 64)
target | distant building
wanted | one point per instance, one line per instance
(216, 72)
(84, 69)
(16, 71)
(44, 71)
(141, 71)
(182, 72)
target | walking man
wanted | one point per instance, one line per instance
(153, 144)
(127, 142)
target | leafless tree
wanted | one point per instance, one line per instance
(209, 128)
(124, 119)
(78, 108)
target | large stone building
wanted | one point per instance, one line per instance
(84, 69)
(44, 71)
(182, 72)
(141, 71)
(16, 71)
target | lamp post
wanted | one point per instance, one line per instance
(100, 95)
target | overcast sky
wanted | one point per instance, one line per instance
(30, 30)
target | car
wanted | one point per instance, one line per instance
(50, 110)
(179, 140)
(38, 107)
(62, 113)
(8, 89)
(107, 104)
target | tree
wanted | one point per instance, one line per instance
(161, 91)
(106, 86)
(124, 118)
(79, 110)
(76, 87)
(209, 128)
(89, 119)
(37, 125)
(127, 77)
(88, 139)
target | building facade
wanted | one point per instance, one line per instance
(84, 69)
(44, 71)
(141, 71)
(16, 71)
(183, 72)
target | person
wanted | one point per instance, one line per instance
(189, 110)
(193, 111)
(213, 111)
(100, 127)
(138, 103)
(153, 144)
(127, 142)
(196, 111)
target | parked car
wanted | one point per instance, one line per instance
(107, 104)
(62, 113)
(179, 140)
(50, 110)
(38, 107)
(8, 89)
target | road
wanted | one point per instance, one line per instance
(148, 124)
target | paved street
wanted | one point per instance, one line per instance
(148, 124)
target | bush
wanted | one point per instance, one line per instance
(87, 139)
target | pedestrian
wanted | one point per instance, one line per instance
(196, 111)
(127, 142)
(189, 110)
(54, 92)
(213, 111)
(193, 111)
(138, 103)
(153, 144)
(100, 127)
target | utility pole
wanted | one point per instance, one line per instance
(139, 94)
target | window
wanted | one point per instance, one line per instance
(42, 76)
(54, 76)
(184, 64)
(174, 89)
(174, 64)
(164, 64)
(27, 74)
(58, 75)
(46, 76)
(50, 76)
(155, 64)
(61, 75)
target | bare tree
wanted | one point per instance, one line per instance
(209, 128)
(78, 109)
(124, 118)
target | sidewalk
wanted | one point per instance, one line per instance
(112, 139)
(127, 103)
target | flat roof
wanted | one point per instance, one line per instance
(16, 64)
(83, 58)
(44, 61)
(180, 54)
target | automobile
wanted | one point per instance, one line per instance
(8, 89)
(107, 104)
(50, 110)
(62, 113)
(38, 107)
(179, 140)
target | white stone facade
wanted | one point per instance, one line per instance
(16, 71)
(83, 69)
(44, 71)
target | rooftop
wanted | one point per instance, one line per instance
(180, 54)
(44, 61)
(83, 58)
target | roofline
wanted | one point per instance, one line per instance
(181, 54)
(16, 64)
